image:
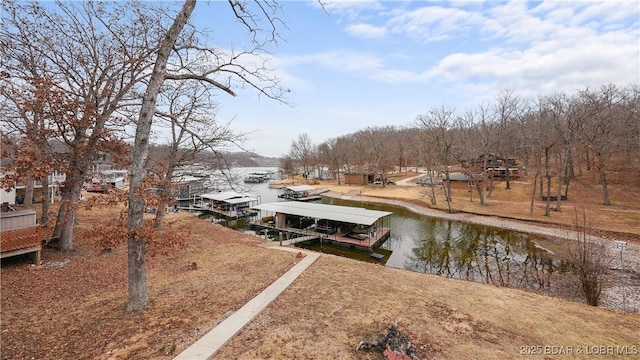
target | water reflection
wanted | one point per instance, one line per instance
(481, 254)
(465, 251)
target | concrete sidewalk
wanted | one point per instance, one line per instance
(208, 345)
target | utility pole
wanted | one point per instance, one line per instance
(622, 245)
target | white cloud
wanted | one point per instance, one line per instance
(366, 31)
(432, 23)
(546, 66)
(345, 60)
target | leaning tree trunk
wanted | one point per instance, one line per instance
(138, 294)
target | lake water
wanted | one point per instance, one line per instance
(446, 248)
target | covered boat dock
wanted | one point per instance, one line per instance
(343, 225)
(228, 204)
(300, 193)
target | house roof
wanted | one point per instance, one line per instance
(346, 214)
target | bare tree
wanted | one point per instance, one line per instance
(287, 166)
(32, 111)
(589, 259)
(303, 152)
(380, 154)
(228, 67)
(189, 111)
(97, 55)
(438, 122)
(602, 127)
(508, 109)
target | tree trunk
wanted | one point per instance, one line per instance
(448, 190)
(482, 192)
(559, 199)
(541, 186)
(603, 179)
(67, 210)
(507, 175)
(533, 193)
(433, 188)
(138, 296)
(547, 211)
(158, 221)
(46, 202)
(28, 190)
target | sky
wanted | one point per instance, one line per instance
(358, 64)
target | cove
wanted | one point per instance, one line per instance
(458, 250)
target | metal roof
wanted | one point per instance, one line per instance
(323, 211)
(300, 188)
(230, 197)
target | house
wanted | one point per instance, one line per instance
(497, 165)
(359, 178)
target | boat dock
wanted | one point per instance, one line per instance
(339, 225)
(227, 204)
(300, 192)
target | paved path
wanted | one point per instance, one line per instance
(208, 345)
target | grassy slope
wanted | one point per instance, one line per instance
(339, 302)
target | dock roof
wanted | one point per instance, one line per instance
(323, 211)
(300, 188)
(230, 197)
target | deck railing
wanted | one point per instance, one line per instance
(16, 239)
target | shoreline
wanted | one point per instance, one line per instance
(612, 294)
(526, 226)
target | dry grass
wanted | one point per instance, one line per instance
(338, 302)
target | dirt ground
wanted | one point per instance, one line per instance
(73, 307)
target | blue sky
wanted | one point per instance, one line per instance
(356, 64)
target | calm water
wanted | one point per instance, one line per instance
(446, 248)
(464, 251)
